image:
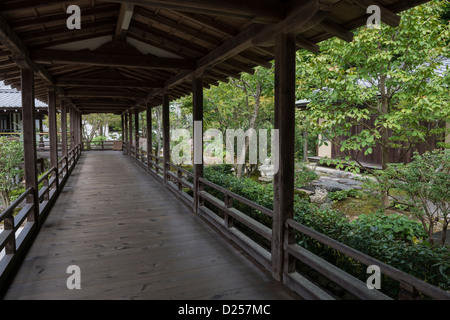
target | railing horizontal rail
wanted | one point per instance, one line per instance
(395, 274)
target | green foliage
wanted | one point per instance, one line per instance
(424, 186)
(344, 194)
(303, 175)
(390, 227)
(385, 75)
(395, 239)
(11, 157)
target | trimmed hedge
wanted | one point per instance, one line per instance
(395, 240)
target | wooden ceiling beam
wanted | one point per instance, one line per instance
(108, 83)
(104, 94)
(62, 17)
(336, 30)
(123, 21)
(147, 14)
(86, 27)
(112, 60)
(264, 11)
(387, 16)
(21, 55)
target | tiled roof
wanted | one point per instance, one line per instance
(11, 98)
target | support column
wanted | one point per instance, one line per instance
(72, 127)
(41, 130)
(29, 141)
(122, 130)
(80, 129)
(126, 150)
(130, 132)
(136, 132)
(285, 123)
(166, 135)
(149, 136)
(63, 129)
(197, 89)
(53, 133)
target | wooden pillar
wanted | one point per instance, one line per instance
(149, 136)
(166, 135)
(130, 131)
(285, 123)
(136, 132)
(29, 140)
(126, 150)
(80, 129)
(72, 127)
(122, 130)
(53, 132)
(41, 129)
(63, 129)
(197, 89)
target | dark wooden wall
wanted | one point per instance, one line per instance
(395, 154)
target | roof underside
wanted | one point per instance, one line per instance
(130, 52)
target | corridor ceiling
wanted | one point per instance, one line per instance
(129, 53)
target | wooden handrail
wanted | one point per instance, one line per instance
(395, 274)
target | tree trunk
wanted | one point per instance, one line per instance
(384, 135)
(5, 199)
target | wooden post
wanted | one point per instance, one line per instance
(166, 135)
(130, 132)
(80, 129)
(72, 127)
(285, 123)
(149, 137)
(126, 150)
(41, 130)
(63, 129)
(136, 133)
(197, 89)
(29, 141)
(53, 133)
(122, 130)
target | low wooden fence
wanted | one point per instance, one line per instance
(19, 228)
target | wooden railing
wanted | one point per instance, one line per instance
(21, 227)
(255, 238)
(98, 145)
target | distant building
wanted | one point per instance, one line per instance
(11, 110)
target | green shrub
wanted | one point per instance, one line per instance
(344, 194)
(394, 240)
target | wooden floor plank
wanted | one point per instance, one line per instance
(133, 239)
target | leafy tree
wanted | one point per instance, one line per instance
(389, 74)
(244, 103)
(98, 123)
(11, 157)
(426, 185)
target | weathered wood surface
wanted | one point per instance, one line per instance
(133, 239)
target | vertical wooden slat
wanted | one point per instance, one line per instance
(29, 140)
(149, 136)
(197, 89)
(166, 135)
(285, 123)
(63, 129)
(53, 133)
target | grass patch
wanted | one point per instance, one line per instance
(353, 207)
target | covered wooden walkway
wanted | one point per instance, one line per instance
(133, 239)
